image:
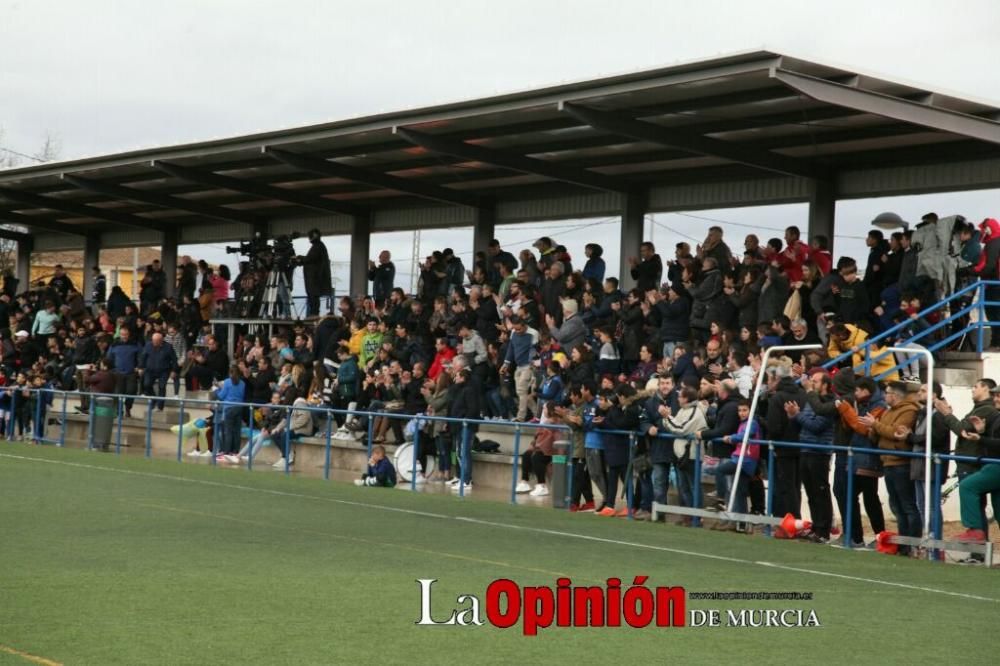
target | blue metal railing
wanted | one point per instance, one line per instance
(979, 306)
(465, 454)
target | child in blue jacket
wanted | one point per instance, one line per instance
(380, 472)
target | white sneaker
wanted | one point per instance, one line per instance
(232, 459)
(523, 487)
(244, 458)
(453, 482)
(359, 482)
(194, 453)
(457, 487)
(280, 464)
(206, 454)
(540, 491)
(421, 479)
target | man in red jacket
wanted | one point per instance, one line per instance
(443, 354)
(795, 254)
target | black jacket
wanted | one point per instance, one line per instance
(316, 270)
(779, 426)
(727, 422)
(382, 278)
(647, 273)
(675, 320)
(464, 402)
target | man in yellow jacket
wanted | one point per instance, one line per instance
(849, 338)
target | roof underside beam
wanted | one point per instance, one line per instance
(10, 234)
(161, 200)
(512, 161)
(691, 142)
(264, 190)
(887, 106)
(76, 209)
(378, 179)
(43, 224)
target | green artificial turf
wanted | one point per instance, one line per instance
(185, 564)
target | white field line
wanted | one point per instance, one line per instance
(537, 530)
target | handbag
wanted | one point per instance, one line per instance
(793, 308)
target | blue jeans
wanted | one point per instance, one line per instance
(233, 418)
(902, 501)
(155, 383)
(443, 443)
(668, 349)
(496, 405)
(722, 473)
(645, 492)
(661, 482)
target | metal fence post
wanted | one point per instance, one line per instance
(629, 481)
(769, 496)
(13, 415)
(981, 324)
(288, 439)
(849, 503)
(118, 435)
(936, 506)
(149, 428)
(62, 433)
(37, 426)
(464, 456)
(250, 444)
(517, 460)
(329, 445)
(696, 492)
(371, 435)
(180, 433)
(416, 452)
(90, 426)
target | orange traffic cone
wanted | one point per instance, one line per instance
(884, 545)
(791, 526)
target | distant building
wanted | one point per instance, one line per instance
(118, 265)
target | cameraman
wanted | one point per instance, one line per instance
(316, 273)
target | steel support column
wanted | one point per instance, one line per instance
(633, 223)
(822, 206)
(361, 236)
(168, 259)
(91, 258)
(24, 248)
(483, 229)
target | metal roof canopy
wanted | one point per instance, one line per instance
(748, 129)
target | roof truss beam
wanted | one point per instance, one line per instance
(691, 142)
(43, 224)
(514, 162)
(253, 188)
(10, 234)
(887, 106)
(162, 200)
(378, 179)
(77, 209)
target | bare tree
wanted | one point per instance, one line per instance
(9, 159)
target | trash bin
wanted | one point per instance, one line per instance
(559, 491)
(105, 411)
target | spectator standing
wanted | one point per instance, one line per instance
(157, 364)
(100, 294)
(595, 267)
(316, 272)
(382, 276)
(647, 269)
(124, 354)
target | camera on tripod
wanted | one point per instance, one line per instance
(269, 275)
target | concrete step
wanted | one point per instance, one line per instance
(956, 376)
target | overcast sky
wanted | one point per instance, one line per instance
(107, 76)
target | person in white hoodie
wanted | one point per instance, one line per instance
(689, 419)
(741, 372)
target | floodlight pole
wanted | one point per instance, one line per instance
(753, 409)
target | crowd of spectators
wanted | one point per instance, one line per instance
(540, 338)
